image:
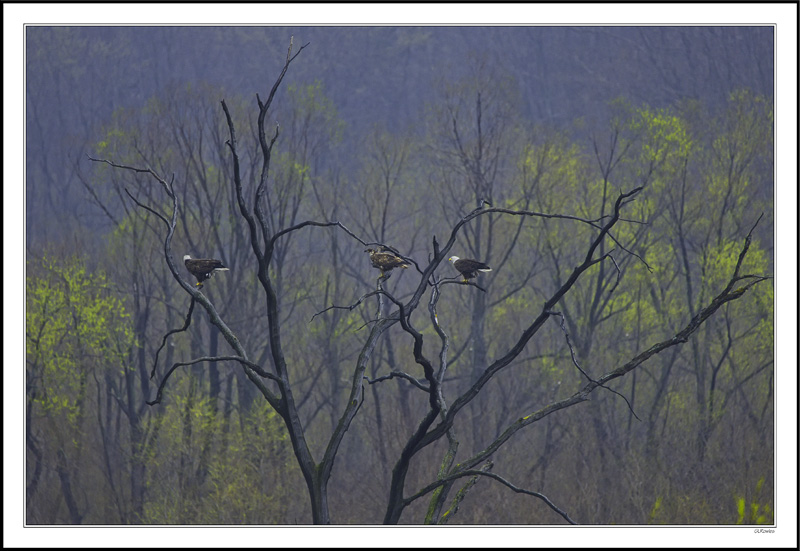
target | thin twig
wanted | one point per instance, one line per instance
(349, 308)
(472, 472)
(575, 361)
(399, 375)
(186, 324)
(255, 367)
(461, 494)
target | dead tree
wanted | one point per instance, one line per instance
(273, 381)
(428, 432)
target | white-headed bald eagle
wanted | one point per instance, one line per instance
(469, 268)
(385, 261)
(203, 268)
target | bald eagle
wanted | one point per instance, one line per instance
(469, 268)
(385, 261)
(203, 268)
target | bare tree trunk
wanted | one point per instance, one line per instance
(65, 477)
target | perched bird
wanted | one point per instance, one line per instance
(385, 261)
(203, 268)
(469, 268)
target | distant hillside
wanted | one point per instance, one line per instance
(76, 77)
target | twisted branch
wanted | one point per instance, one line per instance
(255, 367)
(399, 375)
(473, 472)
(186, 324)
(575, 361)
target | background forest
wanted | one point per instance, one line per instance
(398, 134)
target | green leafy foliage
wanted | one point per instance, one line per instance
(75, 326)
(214, 453)
(756, 513)
(209, 466)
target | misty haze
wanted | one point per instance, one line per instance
(414, 275)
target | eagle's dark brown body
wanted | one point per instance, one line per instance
(385, 261)
(203, 268)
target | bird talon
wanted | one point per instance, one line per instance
(203, 268)
(469, 268)
(385, 262)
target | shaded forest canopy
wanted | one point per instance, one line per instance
(78, 76)
(527, 141)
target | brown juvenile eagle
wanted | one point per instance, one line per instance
(385, 261)
(203, 268)
(469, 268)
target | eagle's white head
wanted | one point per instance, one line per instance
(186, 257)
(453, 259)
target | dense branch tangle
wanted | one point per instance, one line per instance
(426, 435)
(263, 237)
(439, 420)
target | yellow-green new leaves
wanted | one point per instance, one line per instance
(757, 514)
(552, 175)
(664, 136)
(313, 109)
(74, 326)
(744, 131)
(207, 467)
